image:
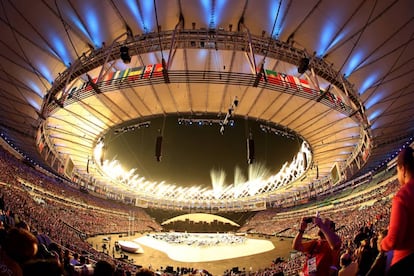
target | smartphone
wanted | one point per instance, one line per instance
(308, 220)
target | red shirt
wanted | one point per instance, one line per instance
(400, 236)
(325, 256)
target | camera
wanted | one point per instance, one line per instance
(309, 220)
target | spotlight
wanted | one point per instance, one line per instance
(126, 58)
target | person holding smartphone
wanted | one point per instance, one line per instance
(322, 254)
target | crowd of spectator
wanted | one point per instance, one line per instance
(357, 223)
(65, 216)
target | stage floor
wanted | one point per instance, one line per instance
(159, 258)
(207, 253)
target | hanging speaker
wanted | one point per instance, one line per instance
(317, 172)
(303, 65)
(102, 156)
(250, 151)
(124, 52)
(305, 161)
(158, 144)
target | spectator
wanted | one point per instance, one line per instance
(323, 253)
(84, 268)
(8, 265)
(144, 272)
(75, 260)
(2, 203)
(20, 245)
(22, 224)
(364, 257)
(400, 236)
(42, 267)
(103, 268)
(66, 262)
(360, 236)
(379, 267)
(348, 266)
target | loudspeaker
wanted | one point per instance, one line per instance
(126, 58)
(305, 161)
(317, 172)
(250, 150)
(102, 156)
(158, 144)
(303, 65)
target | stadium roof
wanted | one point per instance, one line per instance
(351, 95)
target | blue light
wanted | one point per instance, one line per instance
(368, 82)
(219, 9)
(374, 125)
(207, 11)
(44, 70)
(201, 55)
(373, 100)
(374, 115)
(350, 125)
(148, 19)
(34, 103)
(94, 25)
(147, 9)
(35, 88)
(75, 20)
(61, 49)
(353, 63)
(133, 8)
(272, 17)
(327, 35)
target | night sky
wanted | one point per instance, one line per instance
(190, 152)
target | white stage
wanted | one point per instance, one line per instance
(131, 247)
(205, 251)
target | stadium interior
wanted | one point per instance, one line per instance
(202, 125)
